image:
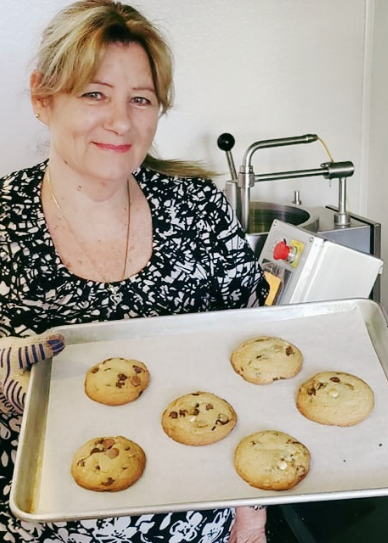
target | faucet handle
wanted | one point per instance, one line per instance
(226, 142)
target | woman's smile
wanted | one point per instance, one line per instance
(123, 148)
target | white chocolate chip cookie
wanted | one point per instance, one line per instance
(271, 460)
(116, 381)
(199, 418)
(263, 360)
(108, 464)
(335, 398)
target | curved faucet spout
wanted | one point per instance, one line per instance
(247, 178)
(279, 142)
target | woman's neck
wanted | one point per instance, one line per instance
(81, 192)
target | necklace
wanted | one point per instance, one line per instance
(117, 297)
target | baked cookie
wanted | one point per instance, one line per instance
(116, 381)
(199, 418)
(108, 464)
(271, 460)
(335, 398)
(265, 359)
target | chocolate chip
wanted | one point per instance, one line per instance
(108, 443)
(122, 377)
(113, 452)
(222, 419)
(109, 482)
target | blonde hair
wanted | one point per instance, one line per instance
(74, 44)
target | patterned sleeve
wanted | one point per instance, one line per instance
(237, 278)
(5, 262)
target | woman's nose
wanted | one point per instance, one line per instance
(118, 117)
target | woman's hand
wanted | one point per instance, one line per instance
(249, 525)
(17, 355)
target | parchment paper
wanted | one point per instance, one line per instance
(179, 477)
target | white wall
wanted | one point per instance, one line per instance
(259, 69)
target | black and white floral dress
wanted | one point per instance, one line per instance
(200, 262)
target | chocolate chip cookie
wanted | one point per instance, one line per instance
(335, 398)
(116, 381)
(108, 464)
(265, 359)
(271, 460)
(199, 418)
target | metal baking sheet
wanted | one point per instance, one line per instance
(186, 353)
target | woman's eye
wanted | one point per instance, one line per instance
(92, 95)
(140, 100)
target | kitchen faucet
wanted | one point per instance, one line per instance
(238, 187)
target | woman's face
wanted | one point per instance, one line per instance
(106, 131)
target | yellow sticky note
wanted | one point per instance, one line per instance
(274, 286)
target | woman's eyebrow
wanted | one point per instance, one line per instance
(144, 87)
(97, 82)
(137, 88)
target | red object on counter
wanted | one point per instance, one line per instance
(281, 250)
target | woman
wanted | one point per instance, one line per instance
(103, 231)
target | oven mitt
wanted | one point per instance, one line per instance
(17, 355)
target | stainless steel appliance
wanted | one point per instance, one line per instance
(332, 223)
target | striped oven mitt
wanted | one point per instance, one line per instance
(17, 355)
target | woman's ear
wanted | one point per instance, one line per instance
(39, 104)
